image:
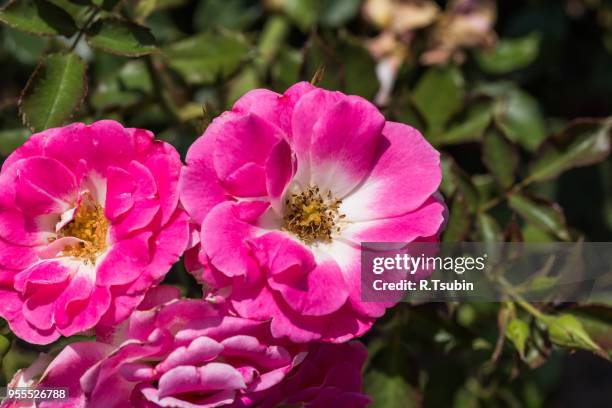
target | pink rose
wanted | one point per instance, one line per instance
(174, 353)
(286, 187)
(89, 220)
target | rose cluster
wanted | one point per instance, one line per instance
(269, 212)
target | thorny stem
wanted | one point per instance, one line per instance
(94, 12)
(158, 88)
(497, 200)
(518, 299)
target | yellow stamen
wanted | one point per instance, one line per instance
(312, 216)
(89, 225)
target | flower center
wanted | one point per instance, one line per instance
(90, 226)
(312, 216)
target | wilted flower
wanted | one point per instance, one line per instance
(89, 220)
(400, 16)
(398, 21)
(286, 187)
(464, 24)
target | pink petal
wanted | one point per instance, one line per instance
(39, 307)
(422, 222)
(120, 187)
(137, 372)
(251, 349)
(231, 255)
(125, 261)
(68, 367)
(11, 303)
(159, 295)
(81, 305)
(259, 302)
(165, 166)
(20, 229)
(44, 273)
(145, 206)
(44, 186)
(199, 185)
(280, 168)
(32, 334)
(169, 244)
(271, 106)
(249, 180)
(7, 277)
(319, 292)
(218, 399)
(34, 146)
(308, 110)
(16, 257)
(344, 143)
(210, 377)
(102, 144)
(405, 174)
(243, 140)
(348, 258)
(199, 351)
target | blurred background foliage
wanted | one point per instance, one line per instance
(516, 94)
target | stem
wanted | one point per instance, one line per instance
(497, 200)
(94, 13)
(158, 88)
(518, 299)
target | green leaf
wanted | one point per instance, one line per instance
(26, 48)
(510, 54)
(11, 139)
(583, 142)
(271, 40)
(566, 330)
(107, 5)
(597, 321)
(5, 345)
(488, 229)
(517, 332)
(244, 82)
(438, 95)
(456, 179)
(39, 17)
(303, 12)
(134, 76)
(517, 115)
(54, 91)
(346, 63)
(121, 37)
(286, 68)
(206, 57)
(469, 128)
(389, 391)
(106, 97)
(500, 157)
(229, 14)
(459, 220)
(541, 213)
(448, 185)
(335, 13)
